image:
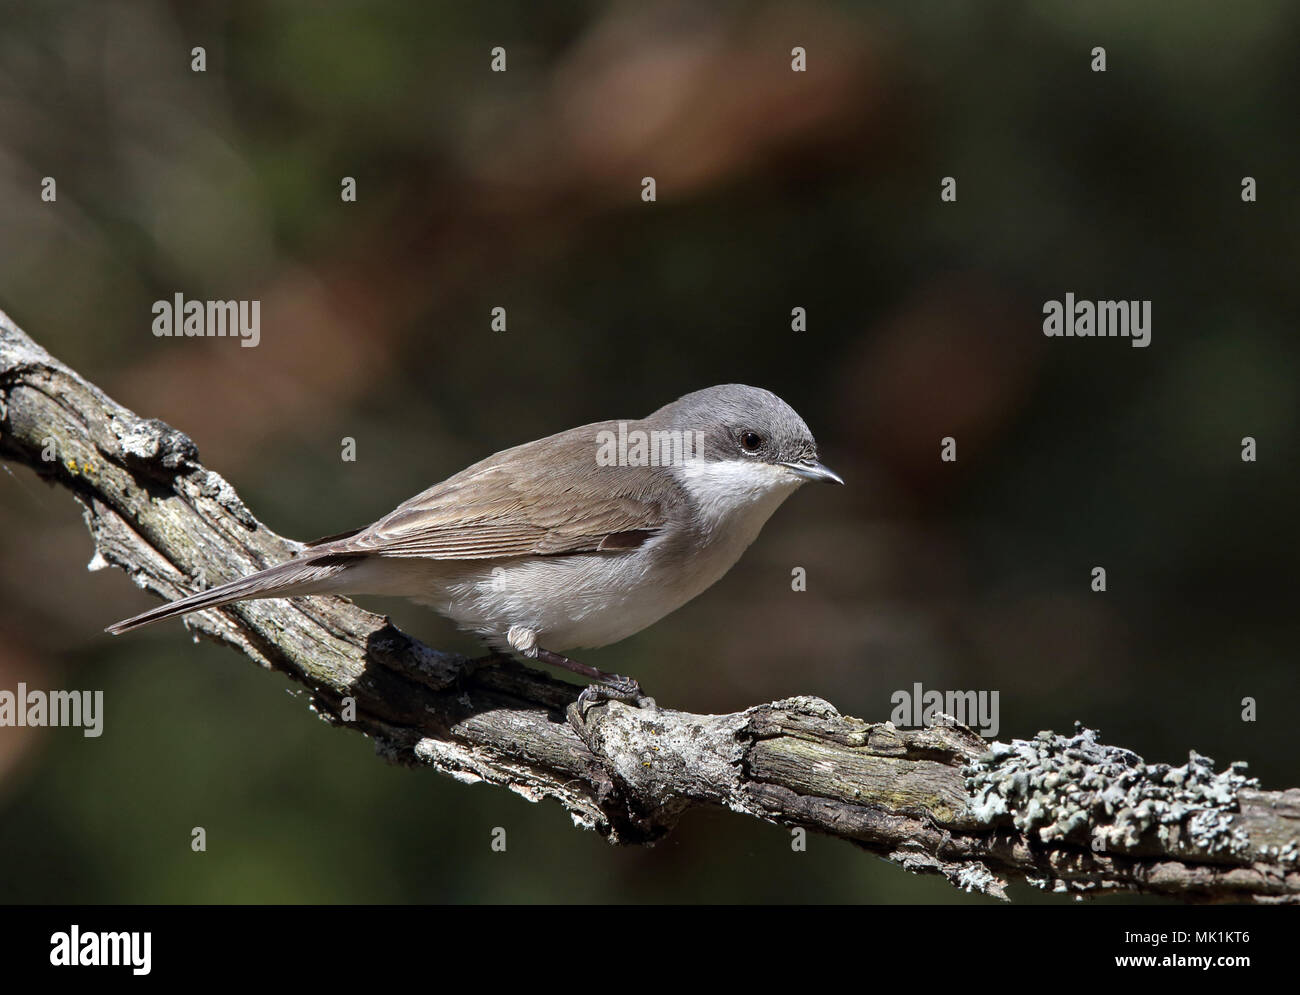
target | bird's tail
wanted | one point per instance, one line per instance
(308, 575)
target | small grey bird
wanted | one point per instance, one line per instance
(576, 540)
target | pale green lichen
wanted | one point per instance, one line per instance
(1073, 788)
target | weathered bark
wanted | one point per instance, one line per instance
(1062, 812)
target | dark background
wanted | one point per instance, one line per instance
(775, 189)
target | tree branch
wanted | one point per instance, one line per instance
(1064, 813)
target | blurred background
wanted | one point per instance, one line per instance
(775, 190)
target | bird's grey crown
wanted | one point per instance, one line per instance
(724, 414)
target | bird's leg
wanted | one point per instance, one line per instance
(609, 687)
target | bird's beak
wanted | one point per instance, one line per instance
(812, 470)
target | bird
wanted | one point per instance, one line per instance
(573, 541)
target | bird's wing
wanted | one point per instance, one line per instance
(545, 498)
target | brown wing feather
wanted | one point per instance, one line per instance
(544, 498)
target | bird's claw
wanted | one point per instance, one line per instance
(616, 688)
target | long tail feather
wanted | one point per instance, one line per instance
(286, 580)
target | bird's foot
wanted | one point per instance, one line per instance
(613, 687)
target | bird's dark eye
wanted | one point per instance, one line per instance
(750, 441)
